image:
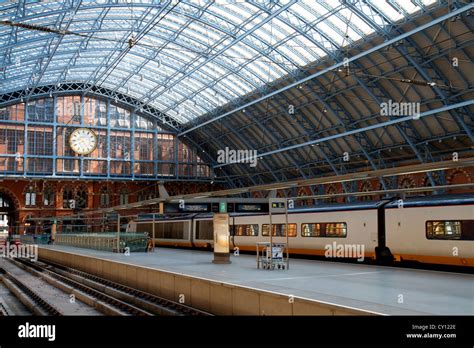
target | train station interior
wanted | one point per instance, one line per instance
(237, 158)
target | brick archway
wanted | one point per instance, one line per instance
(13, 211)
(304, 191)
(456, 177)
(12, 196)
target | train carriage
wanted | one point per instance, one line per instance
(435, 230)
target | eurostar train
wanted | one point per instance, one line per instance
(431, 230)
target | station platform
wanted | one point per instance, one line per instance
(309, 287)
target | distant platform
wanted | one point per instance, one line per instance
(378, 289)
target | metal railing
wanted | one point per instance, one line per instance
(107, 241)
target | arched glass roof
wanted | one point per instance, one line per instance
(185, 58)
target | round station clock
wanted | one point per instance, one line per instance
(83, 141)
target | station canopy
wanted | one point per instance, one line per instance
(185, 58)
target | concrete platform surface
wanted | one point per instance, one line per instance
(385, 290)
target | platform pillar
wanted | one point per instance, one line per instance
(221, 238)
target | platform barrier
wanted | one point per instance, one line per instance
(35, 238)
(135, 242)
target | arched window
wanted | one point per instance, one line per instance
(68, 198)
(331, 191)
(30, 196)
(366, 187)
(104, 196)
(303, 191)
(81, 197)
(124, 196)
(49, 196)
(407, 183)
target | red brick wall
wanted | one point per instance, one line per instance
(15, 189)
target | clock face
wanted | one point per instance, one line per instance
(83, 141)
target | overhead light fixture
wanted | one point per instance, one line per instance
(131, 42)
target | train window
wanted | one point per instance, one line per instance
(310, 230)
(205, 229)
(338, 229)
(453, 229)
(279, 230)
(246, 230)
(164, 230)
(324, 229)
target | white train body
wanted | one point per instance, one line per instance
(406, 234)
(409, 233)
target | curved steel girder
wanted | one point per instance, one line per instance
(408, 139)
(262, 52)
(328, 107)
(420, 70)
(95, 26)
(192, 17)
(428, 78)
(36, 39)
(12, 38)
(275, 46)
(48, 52)
(163, 120)
(330, 54)
(151, 94)
(288, 100)
(255, 146)
(264, 130)
(138, 54)
(360, 82)
(110, 61)
(325, 70)
(265, 164)
(221, 146)
(298, 31)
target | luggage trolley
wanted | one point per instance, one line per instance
(272, 255)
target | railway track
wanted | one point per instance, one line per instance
(21, 289)
(134, 301)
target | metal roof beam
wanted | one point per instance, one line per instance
(364, 129)
(337, 65)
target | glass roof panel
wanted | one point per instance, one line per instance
(187, 57)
